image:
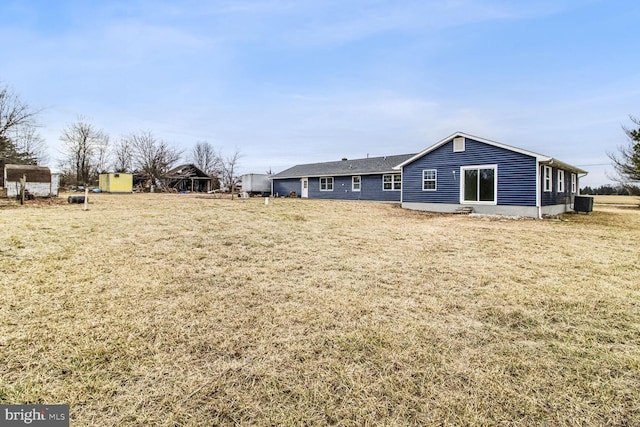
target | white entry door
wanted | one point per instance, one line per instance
(305, 187)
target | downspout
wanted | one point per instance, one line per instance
(401, 184)
(538, 185)
(578, 177)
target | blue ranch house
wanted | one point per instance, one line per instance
(361, 179)
(463, 170)
(459, 171)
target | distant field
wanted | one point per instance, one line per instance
(189, 311)
(617, 200)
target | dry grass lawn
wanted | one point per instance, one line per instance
(177, 310)
(617, 200)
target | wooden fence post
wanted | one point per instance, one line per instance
(23, 184)
(86, 198)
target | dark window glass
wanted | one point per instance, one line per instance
(471, 185)
(487, 177)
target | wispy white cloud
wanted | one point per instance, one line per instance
(337, 22)
(298, 81)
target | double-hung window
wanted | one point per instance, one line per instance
(547, 178)
(560, 181)
(392, 182)
(574, 183)
(479, 184)
(326, 183)
(429, 180)
(356, 183)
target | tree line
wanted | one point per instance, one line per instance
(89, 151)
(609, 190)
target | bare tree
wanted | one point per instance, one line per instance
(81, 143)
(30, 144)
(229, 167)
(123, 155)
(102, 156)
(151, 156)
(627, 162)
(206, 158)
(16, 118)
(13, 112)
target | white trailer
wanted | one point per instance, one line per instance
(256, 183)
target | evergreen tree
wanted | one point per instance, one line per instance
(17, 122)
(9, 153)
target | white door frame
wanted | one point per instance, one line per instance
(304, 185)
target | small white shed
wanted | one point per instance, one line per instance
(39, 180)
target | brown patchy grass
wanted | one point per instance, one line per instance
(178, 310)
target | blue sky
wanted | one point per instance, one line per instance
(287, 82)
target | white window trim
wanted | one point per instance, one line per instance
(574, 183)
(547, 177)
(393, 181)
(435, 180)
(495, 185)
(327, 178)
(353, 188)
(560, 181)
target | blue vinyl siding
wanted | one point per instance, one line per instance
(552, 197)
(370, 188)
(516, 174)
(282, 187)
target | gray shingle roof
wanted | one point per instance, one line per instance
(371, 165)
